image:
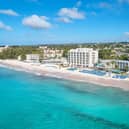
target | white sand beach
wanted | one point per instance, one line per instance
(65, 74)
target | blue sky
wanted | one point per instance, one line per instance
(65, 21)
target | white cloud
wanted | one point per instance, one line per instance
(72, 13)
(65, 19)
(104, 5)
(34, 0)
(67, 15)
(93, 13)
(37, 22)
(100, 5)
(126, 34)
(123, 1)
(9, 12)
(5, 27)
(79, 3)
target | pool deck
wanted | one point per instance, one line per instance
(66, 74)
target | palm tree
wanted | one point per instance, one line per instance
(113, 64)
(126, 68)
(108, 67)
(116, 66)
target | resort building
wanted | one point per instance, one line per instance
(82, 57)
(61, 61)
(19, 58)
(116, 64)
(32, 58)
(2, 48)
(122, 64)
(50, 53)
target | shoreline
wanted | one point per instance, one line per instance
(64, 74)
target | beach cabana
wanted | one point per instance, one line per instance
(100, 66)
(116, 71)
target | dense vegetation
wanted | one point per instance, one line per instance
(14, 52)
(106, 50)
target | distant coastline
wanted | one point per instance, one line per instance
(65, 74)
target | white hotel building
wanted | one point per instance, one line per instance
(82, 57)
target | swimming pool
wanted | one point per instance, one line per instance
(72, 69)
(95, 72)
(120, 76)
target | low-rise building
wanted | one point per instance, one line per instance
(49, 53)
(122, 64)
(32, 58)
(82, 57)
(62, 61)
(3, 48)
(118, 64)
(19, 58)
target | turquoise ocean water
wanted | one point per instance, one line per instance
(33, 102)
